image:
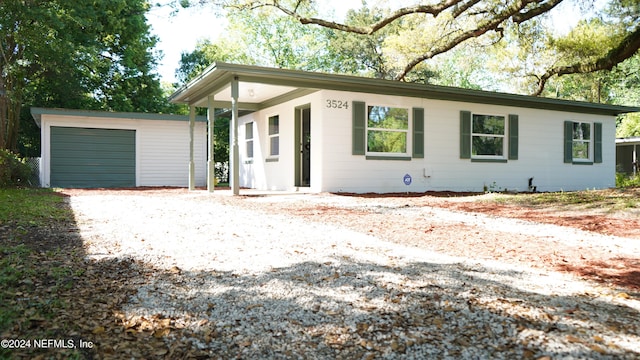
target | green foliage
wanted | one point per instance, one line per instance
(629, 126)
(13, 170)
(75, 54)
(624, 85)
(589, 39)
(362, 54)
(205, 54)
(627, 181)
(221, 143)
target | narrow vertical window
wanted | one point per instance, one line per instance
(582, 142)
(274, 135)
(248, 136)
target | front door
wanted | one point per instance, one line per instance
(303, 146)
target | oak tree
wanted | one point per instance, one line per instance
(436, 28)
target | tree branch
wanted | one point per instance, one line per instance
(459, 10)
(492, 24)
(434, 10)
(625, 49)
(541, 9)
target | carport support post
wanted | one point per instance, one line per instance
(192, 165)
(235, 157)
(211, 165)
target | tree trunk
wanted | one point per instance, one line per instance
(4, 110)
(10, 107)
(13, 125)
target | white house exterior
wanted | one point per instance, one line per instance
(79, 145)
(348, 134)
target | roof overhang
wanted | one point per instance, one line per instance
(37, 113)
(261, 87)
(634, 140)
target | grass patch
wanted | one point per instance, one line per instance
(608, 200)
(31, 207)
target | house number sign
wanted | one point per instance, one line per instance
(336, 104)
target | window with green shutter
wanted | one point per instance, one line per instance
(387, 130)
(488, 137)
(382, 132)
(582, 142)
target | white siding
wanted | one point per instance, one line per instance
(265, 172)
(335, 169)
(162, 147)
(541, 135)
(164, 157)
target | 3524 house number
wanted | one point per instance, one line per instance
(337, 104)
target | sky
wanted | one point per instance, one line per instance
(180, 32)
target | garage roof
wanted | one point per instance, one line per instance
(261, 87)
(38, 112)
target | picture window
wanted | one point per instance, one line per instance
(488, 136)
(387, 130)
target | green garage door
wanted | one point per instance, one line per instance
(89, 158)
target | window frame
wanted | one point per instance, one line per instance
(504, 136)
(249, 142)
(590, 142)
(272, 136)
(407, 132)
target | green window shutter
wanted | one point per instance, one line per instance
(359, 128)
(418, 133)
(597, 145)
(513, 137)
(465, 135)
(568, 142)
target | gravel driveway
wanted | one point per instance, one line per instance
(250, 278)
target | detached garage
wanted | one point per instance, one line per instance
(91, 149)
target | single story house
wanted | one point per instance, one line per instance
(109, 149)
(325, 132)
(628, 155)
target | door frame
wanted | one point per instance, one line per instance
(298, 143)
